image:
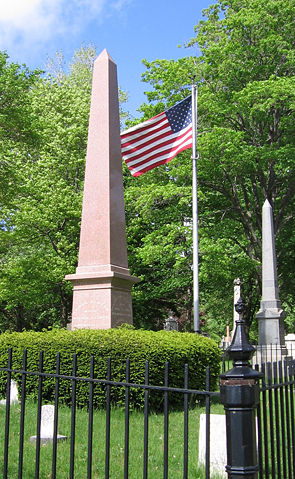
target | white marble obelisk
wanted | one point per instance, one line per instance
(237, 295)
(271, 315)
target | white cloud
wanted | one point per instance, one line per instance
(29, 19)
(29, 24)
(120, 4)
(11, 11)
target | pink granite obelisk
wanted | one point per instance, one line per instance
(102, 282)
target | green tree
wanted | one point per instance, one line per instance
(18, 125)
(159, 245)
(246, 142)
(247, 104)
(19, 135)
(42, 220)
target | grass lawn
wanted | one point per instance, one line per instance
(155, 452)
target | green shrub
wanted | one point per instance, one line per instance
(118, 344)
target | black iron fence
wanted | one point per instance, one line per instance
(187, 440)
(272, 353)
(275, 420)
(174, 454)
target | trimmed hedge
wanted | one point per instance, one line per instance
(118, 344)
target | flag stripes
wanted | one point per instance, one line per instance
(158, 140)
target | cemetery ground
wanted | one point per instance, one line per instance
(156, 443)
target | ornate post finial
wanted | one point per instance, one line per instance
(240, 351)
(239, 393)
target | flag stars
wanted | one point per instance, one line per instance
(180, 115)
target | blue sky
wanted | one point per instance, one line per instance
(31, 31)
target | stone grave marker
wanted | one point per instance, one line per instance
(217, 443)
(13, 394)
(47, 425)
(271, 314)
(171, 323)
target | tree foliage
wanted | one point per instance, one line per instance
(246, 83)
(41, 222)
(246, 108)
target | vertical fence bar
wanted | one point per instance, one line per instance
(166, 421)
(22, 416)
(90, 419)
(287, 407)
(39, 406)
(271, 418)
(291, 380)
(277, 421)
(185, 425)
(282, 419)
(73, 418)
(265, 428)
(108, 420)
(146, 423)
(207, 455)
(260, 435)
(223, 359)
(7, 414)
(55, 424)
(127, 401)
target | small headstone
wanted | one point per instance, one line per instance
(218, 453)
(217, 443)
(47, 425)
(13, 394)
(171, 324)
(290, 344)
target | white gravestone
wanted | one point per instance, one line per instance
(171, 324)
(47, 425)
(13, 394)
(290, 344)
(218, 455)
(217, 443)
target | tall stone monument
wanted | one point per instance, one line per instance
(271, 315)
(237, 295)
(102, 282)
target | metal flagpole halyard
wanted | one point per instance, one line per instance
(195, 157)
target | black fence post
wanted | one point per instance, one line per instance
(239, 393)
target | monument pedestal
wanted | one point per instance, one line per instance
(271, 326)
(271, 347)
(101, 299)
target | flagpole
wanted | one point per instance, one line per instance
(195, 209)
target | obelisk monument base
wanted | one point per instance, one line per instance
(271, 345)
(271, 326)
(101, 299)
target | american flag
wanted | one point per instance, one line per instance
(158, 140)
